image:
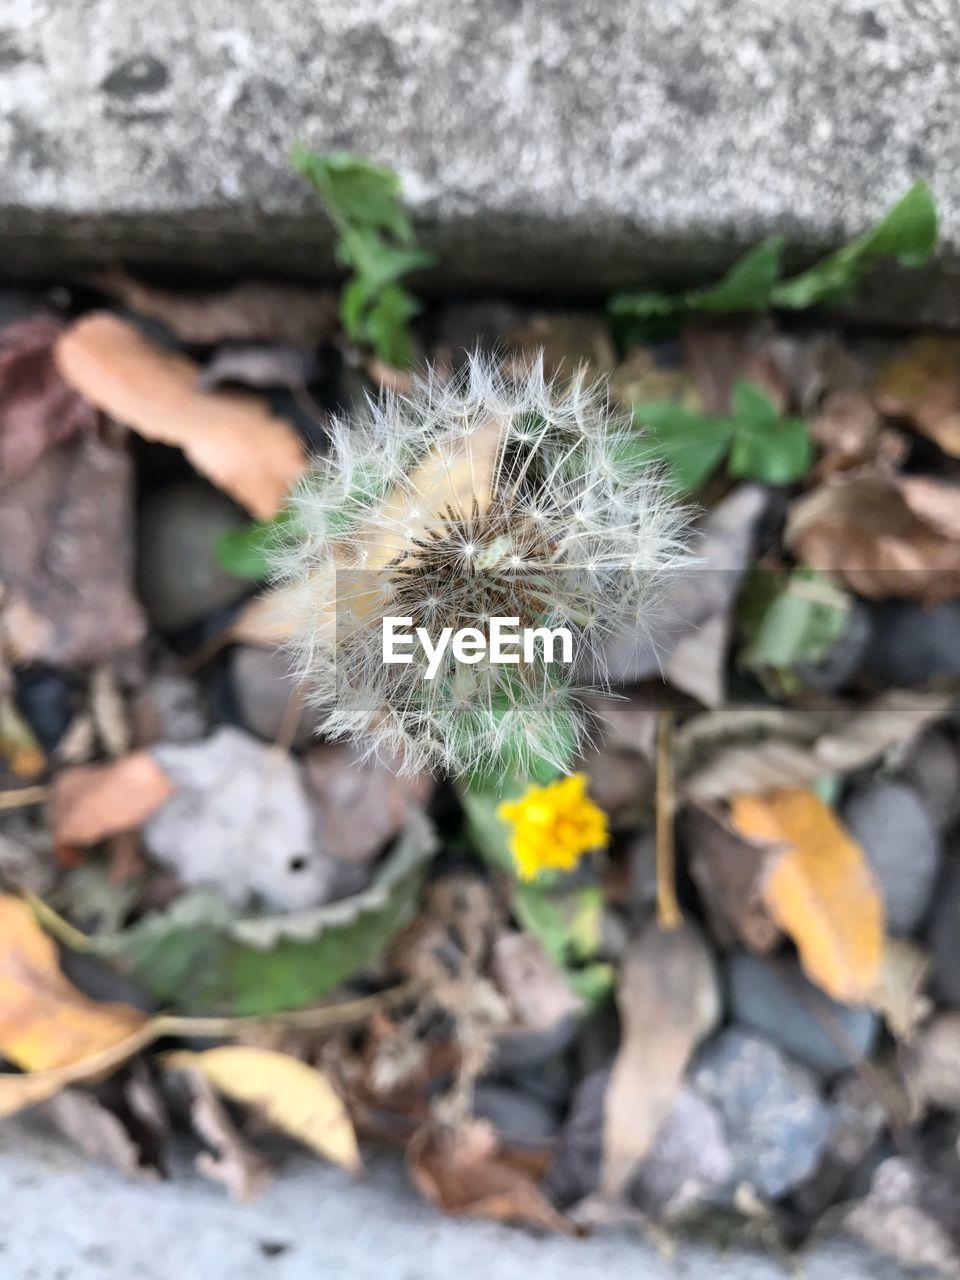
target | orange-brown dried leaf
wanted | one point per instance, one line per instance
(94, 801)
(45, 1022)
(821, 891)
(468, 1172)
(231, 437)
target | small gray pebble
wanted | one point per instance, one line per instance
(778, 1000)
(519, 1117)
(776, 1123)
(178, 575)
(892, 826)
(945, 941)
(263, 685)
(933, 770)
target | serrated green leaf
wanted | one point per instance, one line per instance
(375, 242)
(690, 445)
(908, 233)
(198, 957)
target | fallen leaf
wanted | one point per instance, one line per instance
(467, 1172)
(45, 1022)
(922, 385)
(37, 408)
(126, 1134)
(669, 999)
(294, 1097)
(699, 599)
(759, 748)
(66, 550)
(850, 431)
(898, 991)
(569, 341)
(94, 801)
(231, 1160)
(730, 873)
(821, 890)
(279, 313)
(883, 535)
(231, 437)
(236, 815)
(931, 1066)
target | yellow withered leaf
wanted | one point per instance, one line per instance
(821, 890)
(45, 1022)
(293, 1096)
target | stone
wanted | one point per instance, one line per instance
(614, 153)
(912, 643)
(262, 686)
(776, 1124)
(169, 708)
(520, 1118)
(690, 1158)
(933, 770)
(945, 941)
(843, 660)
(892, 826)
(178, 576)
(775, 998)
(575, 1171)
(45, 701)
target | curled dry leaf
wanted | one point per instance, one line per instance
(730, 873)
(669, 1000)
(66, 557)
(821, 890)
(45, 1022)
(230, 437)
(94, 801)
(280, 313)
(37, 408)
(883, 535)
(466, 1171)
(537, 989)
(231, 1160)
(922, 385)
(125, 1135)
(898, 991)
(293, 1096)
(759, 749)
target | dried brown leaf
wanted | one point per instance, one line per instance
(281, 313)
(231, 1160)
(882, 534)
(922, 385)
(669, 1000)
(124, 1137)
(91, 802)
(538, 991)
(731, 873)
(37, 408)
(66, 550)
(233, 438)
(468, 1172)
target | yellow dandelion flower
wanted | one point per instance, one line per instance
(554, 826)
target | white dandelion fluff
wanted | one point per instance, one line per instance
(490, 495)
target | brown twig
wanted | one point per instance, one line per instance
(668, 909)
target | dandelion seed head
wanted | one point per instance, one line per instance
(486, 495)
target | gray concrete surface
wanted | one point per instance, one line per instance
(548, 145)
(62, 1218)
